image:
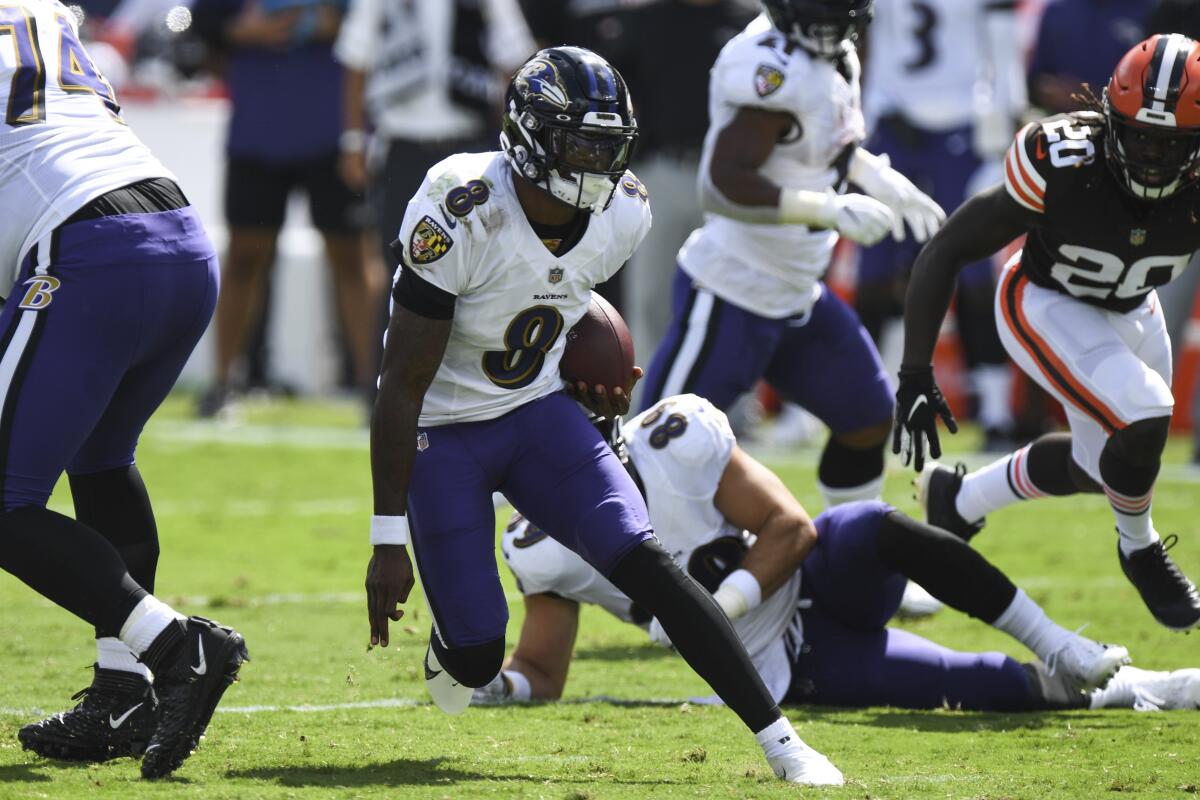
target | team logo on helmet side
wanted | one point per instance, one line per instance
(539, 78)
(429, 241)
(767, 80)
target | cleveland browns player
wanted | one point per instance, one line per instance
(1109, 201)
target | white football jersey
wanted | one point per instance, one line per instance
(466, 233)
(62, 143)
(773, 270)
(933, 62)
(680, 448)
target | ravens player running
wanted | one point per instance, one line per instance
(113, 281)
(810, 599)
(785, 127)
(499, 254)
(1109, 200)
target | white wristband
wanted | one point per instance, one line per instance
(389, 530)
(738, 594)
(352, 141)
(803, 207)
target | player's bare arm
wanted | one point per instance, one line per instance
(413, 354)
(980, 227)
(753, 498)
(742, 148)
(733, 184)
(543, 654)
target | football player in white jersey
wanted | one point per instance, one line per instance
(499, 253)
(783, 140)
(810, 599)
(110, 281)
(942, 91)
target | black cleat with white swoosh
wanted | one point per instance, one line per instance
(115, 718)
(189, 682)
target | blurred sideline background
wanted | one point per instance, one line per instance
(174, 95)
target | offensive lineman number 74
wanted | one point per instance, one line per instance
(76, 72)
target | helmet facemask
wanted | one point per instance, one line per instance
(576, 154)
(1152, 161)
(825, 28)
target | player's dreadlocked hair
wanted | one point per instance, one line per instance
(1087, 99)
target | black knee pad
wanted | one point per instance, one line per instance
(1140, 443)
(474, 665)
(843, 467)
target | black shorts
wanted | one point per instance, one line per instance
(256, 194)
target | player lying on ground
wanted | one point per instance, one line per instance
(1109, 200)
(810, 599)
(499, 254)
(115, 281)
(786, 123)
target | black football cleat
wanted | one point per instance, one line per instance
(1165, 590)
(937, 489)
(189, 684)
(115, 718)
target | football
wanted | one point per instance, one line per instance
(599, 349)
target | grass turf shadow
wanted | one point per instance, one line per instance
(950, 721)
(401, 772)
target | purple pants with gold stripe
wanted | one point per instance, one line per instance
(93, 335)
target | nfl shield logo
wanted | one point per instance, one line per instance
(556, 274)
(1137, 236)
(422, 442)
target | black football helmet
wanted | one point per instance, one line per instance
(822, 27)
(568, 125)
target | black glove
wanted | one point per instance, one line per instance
(919, 403)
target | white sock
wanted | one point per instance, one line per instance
(147, 621)
(871, 490)
(1133, 520)
(520, 686)
(993, 387)
(1025, 621)
(111, 653)
(987, 490)
(778, 737)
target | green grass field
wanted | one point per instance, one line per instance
(263, 526)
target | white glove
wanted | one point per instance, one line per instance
(857, 217)
(877, 178)
(658, 635)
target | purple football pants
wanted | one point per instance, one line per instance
(94, 334)
(553, 466)
(849, 657)
(823, 360)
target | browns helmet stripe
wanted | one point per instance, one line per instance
(1161, 90)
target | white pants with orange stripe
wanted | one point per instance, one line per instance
(1107, 369)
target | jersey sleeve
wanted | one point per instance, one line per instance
(752, 73)
(1025, 168)
(632, 202)
(688, 441)
(429, 245)
(540, 564)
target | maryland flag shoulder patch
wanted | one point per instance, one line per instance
(767, 80)
(429, 241)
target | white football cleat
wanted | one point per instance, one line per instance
(799, 763)
(448, 694)
(917, 602)
(1148, 690)
(1091, 663)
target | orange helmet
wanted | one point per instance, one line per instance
(1152, 105)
